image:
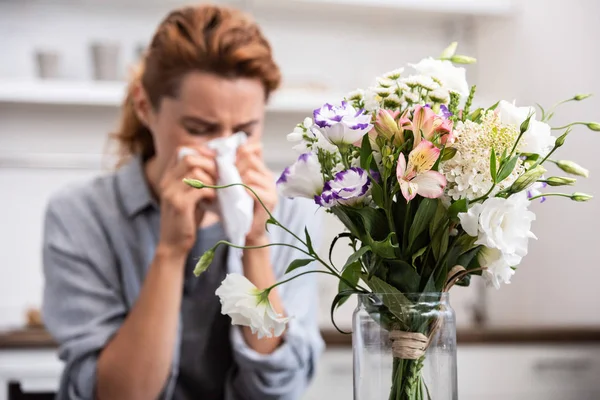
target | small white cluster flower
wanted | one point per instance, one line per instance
(421, 81)
(411, 97)
(440, 95)
(385, 82)
(394, 75)
(468, 172)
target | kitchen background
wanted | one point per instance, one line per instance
(62, 70)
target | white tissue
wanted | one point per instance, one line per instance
(234, 205)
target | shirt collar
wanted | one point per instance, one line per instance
(133, 188)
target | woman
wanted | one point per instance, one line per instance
(120, 298)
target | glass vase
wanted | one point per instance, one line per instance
(404, 347)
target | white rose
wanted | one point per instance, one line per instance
(538, 138)
(248, 306)
(498, 266)
(503, 224)
(452, 78)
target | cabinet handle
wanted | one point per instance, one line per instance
(573, 365)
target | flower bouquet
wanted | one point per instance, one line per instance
(431, 191)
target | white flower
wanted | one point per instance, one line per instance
(498, 266)
(503, 224)
(349, 187)
(423, 81)
(538, 138)
(452, 78)
(356, 95)
(385, 82)
(468, 172)
(411, 97)
(372, 100)
(342, 124)
(394, 75)
(302, 179)
(512, 115)
(248, 306)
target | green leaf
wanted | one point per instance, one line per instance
(466, 258)
(341, 296)
(475, 114)
(308, 241)
(377, 193)
(440, 245)
(391, 297)
(300, 262)
(465, 281)
(418, 254)
(493, 170)
(507, 168)
(403, 276)
(385, 248)
(365, 152)
(334, 241)
(494, 106)
(459, 206)
(422, 218)
(354, 257)
(448, 153)
(352, 274)
(439, 216)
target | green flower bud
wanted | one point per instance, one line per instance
(458, 59)
(572, 168)
(525, 125)
(195, 183)
(560, 181)
(581, 196)
(527, 179)
(561, 139)
(581, 96)
(204, 262)
(449, 51)
(595, 126)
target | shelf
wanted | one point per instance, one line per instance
(452, 7)
(111, 94)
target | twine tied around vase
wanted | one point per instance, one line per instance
(413, 345)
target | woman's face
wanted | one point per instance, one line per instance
(207, 107)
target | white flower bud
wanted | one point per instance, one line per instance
(572, 168)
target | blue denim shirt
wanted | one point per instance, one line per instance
(100, 239)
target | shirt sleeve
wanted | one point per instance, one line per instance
(82, 306)
(285, 373)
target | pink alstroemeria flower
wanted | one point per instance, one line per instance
(426, 124)
(418, 178)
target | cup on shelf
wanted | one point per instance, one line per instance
(48, 64)
(105, 60)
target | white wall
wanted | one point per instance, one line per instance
(524, 57)
(547, 53)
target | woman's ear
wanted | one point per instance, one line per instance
(141, 104)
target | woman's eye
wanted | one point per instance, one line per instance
(197, 130)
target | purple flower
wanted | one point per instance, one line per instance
(349, 188)
(535, 190)
(445, 112)
(343, 124)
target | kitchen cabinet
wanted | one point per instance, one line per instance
(491, 372)
(542, 370)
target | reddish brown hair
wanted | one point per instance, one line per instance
(205, 38)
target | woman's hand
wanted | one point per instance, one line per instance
(181, 206)
(255, 174)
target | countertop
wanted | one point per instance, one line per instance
(38, 338)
